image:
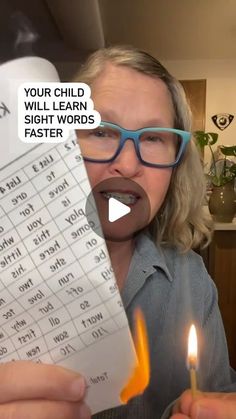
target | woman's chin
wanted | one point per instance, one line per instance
(120, 230)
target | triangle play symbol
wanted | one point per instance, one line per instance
(116, 209)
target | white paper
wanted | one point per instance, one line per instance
(59, 301)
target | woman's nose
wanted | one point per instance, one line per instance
(127, 163)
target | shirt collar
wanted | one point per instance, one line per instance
(150, 256)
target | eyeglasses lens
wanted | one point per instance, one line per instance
(155, 147)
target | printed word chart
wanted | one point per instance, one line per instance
(59, 301)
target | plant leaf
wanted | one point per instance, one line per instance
(212, 137)
(205, 138)
(232, 169)
(228, 150)
(201, 138)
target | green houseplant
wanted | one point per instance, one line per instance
(218, 174)
(222, 174)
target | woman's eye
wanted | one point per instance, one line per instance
(99, 133)
(153, 139)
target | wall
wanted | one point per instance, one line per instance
(221, 90)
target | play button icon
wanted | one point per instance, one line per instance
(116, 210)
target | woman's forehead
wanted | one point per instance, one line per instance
(117, 76)
(122, 89)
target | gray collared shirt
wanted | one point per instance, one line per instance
(173, 290)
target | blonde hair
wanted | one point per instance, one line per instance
(181, 221)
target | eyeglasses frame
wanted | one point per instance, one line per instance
(134, 135)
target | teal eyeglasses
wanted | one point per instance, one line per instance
(155, 147)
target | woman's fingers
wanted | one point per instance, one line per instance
(40, 391)
(205, 406)
(44, 409)
(215, 408)
(27, 380)
(184, 403)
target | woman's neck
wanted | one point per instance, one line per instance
(120, 254)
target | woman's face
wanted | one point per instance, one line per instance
(132, 100)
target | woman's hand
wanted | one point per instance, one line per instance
(205, 406)
(40, 391)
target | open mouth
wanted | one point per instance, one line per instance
(127, 198)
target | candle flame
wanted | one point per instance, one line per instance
(192, 347)
(139, 378)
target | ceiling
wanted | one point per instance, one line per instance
(66, 30)
(174, 29)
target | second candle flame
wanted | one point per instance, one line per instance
(192, 348)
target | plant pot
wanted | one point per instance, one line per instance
(222, 203)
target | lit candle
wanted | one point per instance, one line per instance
(192, 360)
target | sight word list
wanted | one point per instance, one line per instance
(59, 301)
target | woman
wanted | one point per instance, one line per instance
(132, 91)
